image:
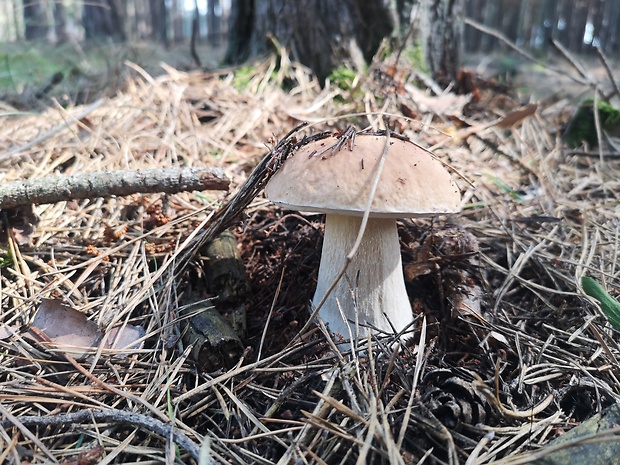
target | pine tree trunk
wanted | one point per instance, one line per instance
(103, 18)
(159, 21)
(35, 21)
(322, 34)
(60, 22)
(442, 37)
(213, 22)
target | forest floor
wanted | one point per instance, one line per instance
(507, 353)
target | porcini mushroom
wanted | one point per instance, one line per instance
(325, 176)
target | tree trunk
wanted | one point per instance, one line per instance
(442, 37)
(103, 18)
(403, 15)
(322, 34)
(176, 16)
(491, 13)
(213, 22)
(195, 36)
(578, 25)
(60, 22)
(159, 21)
(35, 20)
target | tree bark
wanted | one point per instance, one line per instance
(442, 38)
(321, 34)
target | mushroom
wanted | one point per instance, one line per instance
(335, 178)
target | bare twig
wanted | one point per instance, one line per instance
(597, 125)
(107, 183)
(111, 415)
(566, 54)
(603, 59)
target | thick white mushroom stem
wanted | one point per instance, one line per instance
(372, 292)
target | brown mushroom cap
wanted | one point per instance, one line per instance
(412, 182)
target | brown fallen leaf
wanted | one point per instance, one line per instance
(71, 331)
(125, 337)
(516, 116)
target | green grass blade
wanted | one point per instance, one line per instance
(609, 305)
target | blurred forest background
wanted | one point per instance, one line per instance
(578, 24)
(39, 38)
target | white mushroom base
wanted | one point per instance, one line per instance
(372, 292)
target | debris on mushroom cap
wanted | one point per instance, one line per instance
(317, 178)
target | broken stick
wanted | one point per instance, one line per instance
(107, 183)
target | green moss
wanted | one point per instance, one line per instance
(415, 56)
(6, 259)
(343, 78)
(582, 127)
(508, 68)
(610, 117)
(243, 76)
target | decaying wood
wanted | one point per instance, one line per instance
(227, 279)
(108, 183)
(214, 342)
(595, 442)
(215, 329)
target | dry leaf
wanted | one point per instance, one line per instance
(66, 327)
(517, 116)
(71, 331)
(124, 337)
(6, 332)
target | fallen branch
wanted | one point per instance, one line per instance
(115, 416)
(107, 183)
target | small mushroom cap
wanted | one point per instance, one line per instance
(412, 182)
